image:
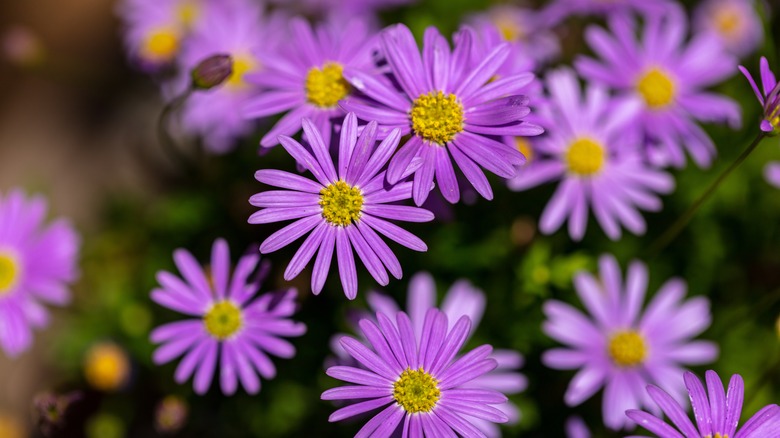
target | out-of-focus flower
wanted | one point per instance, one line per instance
(450, 107)
(668, 76)
(52, 410)
(106, 367)
(417, 380)
(229, 326)
(621, 348)
(559, 10)
(735, 22)
(10, 427)
(593, 147)
(768, 95)
(21, 46)
(306, 80)
(171, 415)
(717, 415)
(37, 263)
(576, 428)
(344, 209)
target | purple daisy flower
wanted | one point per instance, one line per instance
(669, 77)
(37, 263)
(717, 416)
(559, 10)
(769, 96)
(421, 386)
(229, 329)
(595, 152)
(622, 349)
(451, 108)
(735, 22)
(306, 80)
(345, 208)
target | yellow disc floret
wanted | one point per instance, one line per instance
(188, 12)
(585, 157)
(326, 86)
(437, 117)
(341, 203)
(160, 45)
(9, 272)
(657, 88)
(241, 66)
(524, 146)
(416, 391)
(223, 320)
(728, 21)
(106, 367)
(627, 348)
(509, 29)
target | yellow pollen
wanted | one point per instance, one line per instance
(585, 157)
(106, 367)
(657, 88)
(9, 273)
(161, 45)
(437, 117)
(241, 66)
(627, 348)
(325, 87)
(416, 391)
(341, 203)
(223, 320)
(188, 13)
(524, 146)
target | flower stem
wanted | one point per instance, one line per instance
(166, 140)
(671, 233)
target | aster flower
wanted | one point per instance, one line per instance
(449, 106)
(306, 80)
(229, 328)
(668, 76)
(37, 263)
(598, 157)
(619, 347)
(559, 10)
(716, 416)
(735, 22)
(344, 209)
(418, 383)
(768, 95)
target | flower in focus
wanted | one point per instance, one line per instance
(735, 22)
(306, 80)
(344, 209)
(450, 107)
(668, 76)
(559, 10)
(228, 327)
(170, 415)
(37, 263)
(417, 381)
(717, 415)
(622, 348)
(106, 367)
(591, 145)
(769, 96)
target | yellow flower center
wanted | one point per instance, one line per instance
(341, 203)
(188, 13)
(161, 45)
(509, 29)
(524, 146)
(106, 367)
(717, 435)
(437, 117)
(416, 391)
(325, 87)
(627, 348)
(727, 21)
(241, 66)
(657, 88)
(223, 320)
(585, 157)
(9, 273)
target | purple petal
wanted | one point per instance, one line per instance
(346, 263)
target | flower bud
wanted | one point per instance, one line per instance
(212, 71)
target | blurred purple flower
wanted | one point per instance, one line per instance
(668, 76)
(621, 348)
(345, 208)
(37, 263)
(306, 78)
(417, 380)
(592, 146)
(735, 22)
(576, 428)
(229, 327)
(451, 107)
(559, 10)
(716, 416)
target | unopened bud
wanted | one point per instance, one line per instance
(212, 71)
(170, 415)
(52, 410)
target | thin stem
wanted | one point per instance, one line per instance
(166, 140)
(669, 235)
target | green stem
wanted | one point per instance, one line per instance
(166, 140)
(672, 232)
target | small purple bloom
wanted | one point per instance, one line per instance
(37, 263)
(735, 22)
(344, 208)
(417, 381)
(306, 80)
(717, 415)
(768, 95)
(590, 145)
(559, 10)
(229, 328)
(449, 105)
(668, 76)
(619, 347)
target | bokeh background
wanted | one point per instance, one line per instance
(79, 128)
